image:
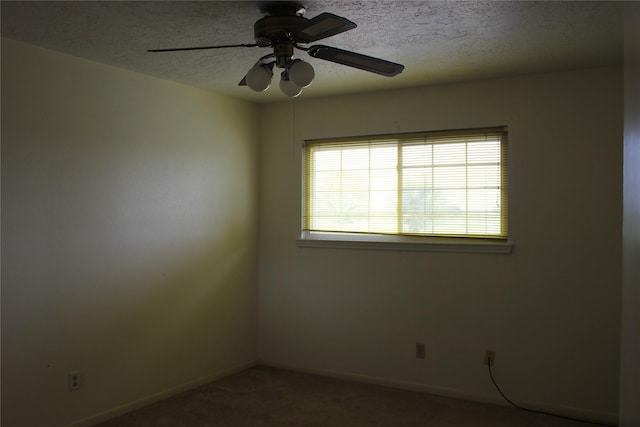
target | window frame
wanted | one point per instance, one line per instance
(413, 242)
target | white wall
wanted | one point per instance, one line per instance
(129, 226)
(630, 350)
(551, 309)
(127, 254)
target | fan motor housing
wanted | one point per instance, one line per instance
(274, 29)
(283, 8)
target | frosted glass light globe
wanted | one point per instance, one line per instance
(259, 78)
(301, 73)
(289, 88)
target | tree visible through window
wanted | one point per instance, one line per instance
(451, 183)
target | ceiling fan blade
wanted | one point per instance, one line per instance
(322, 26)
(243, 82)
(202, 47)
(356, 60)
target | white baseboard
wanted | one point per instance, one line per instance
(148, 400)
(566, 411)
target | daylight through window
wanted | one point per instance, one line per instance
(451, 183)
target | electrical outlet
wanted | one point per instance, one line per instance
(74, 380)
(489, 357)
(420, 353)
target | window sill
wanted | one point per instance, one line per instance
(404, 243)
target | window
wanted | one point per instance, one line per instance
(437, 184)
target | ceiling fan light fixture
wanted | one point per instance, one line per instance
(259, 77)
(288, 88)
(301, 73)
(283, 29)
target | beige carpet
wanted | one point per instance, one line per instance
(268, 397)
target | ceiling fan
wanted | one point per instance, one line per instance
(283, 28)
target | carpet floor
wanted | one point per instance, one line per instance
(269, 397)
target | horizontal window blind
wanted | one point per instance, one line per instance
(449, 183)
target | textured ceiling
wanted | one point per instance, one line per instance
(437, 41)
